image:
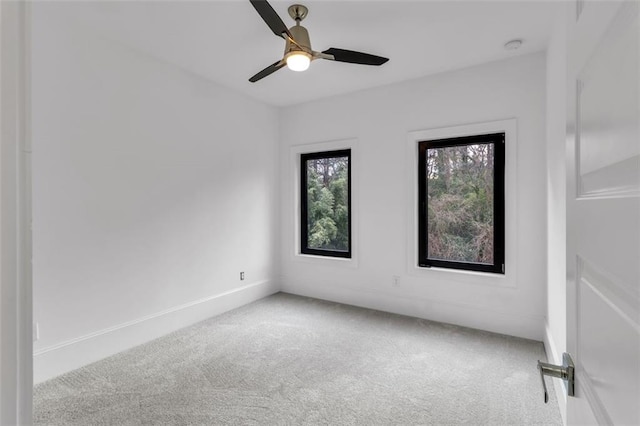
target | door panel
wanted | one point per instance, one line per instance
(603, 213)
(606, 343)
(608, 150)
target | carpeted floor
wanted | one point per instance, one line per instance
(293, 360)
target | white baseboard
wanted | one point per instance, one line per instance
(554, 357)
(66, 356)
(525, 326)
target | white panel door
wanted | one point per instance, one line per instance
(603, 212)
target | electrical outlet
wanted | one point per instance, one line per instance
(241, 276)
(395, 281)
(36, 331)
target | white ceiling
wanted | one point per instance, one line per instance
(227, 41)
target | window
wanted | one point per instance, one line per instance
(461, 203)
(326, 203)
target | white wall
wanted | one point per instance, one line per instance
(556, 325)
(152, 192)
(381, 120)
(153, 189)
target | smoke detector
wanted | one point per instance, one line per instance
(513, 44)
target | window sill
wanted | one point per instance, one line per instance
(326, 260)
(464, 277)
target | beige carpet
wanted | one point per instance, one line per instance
(293, 360)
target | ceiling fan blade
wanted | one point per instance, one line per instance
(270, 16)
(268, 71)
(343, 55)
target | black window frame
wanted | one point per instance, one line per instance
(304, 237)
(498, 139)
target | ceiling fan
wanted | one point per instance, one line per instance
(297, 52)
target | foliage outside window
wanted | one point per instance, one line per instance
(326, 203)
(461, 203)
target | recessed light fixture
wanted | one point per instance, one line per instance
(513, 44)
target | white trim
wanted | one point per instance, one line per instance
(15, 283)
(433, 309)
(75, 353)
(553, 357)
(25, 239)
(509, 127)
(293, 178)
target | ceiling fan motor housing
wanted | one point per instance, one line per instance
(301, 36)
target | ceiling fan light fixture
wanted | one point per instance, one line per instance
(298, 53)
(298, 60)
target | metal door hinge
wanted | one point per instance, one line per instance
(566, 372)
